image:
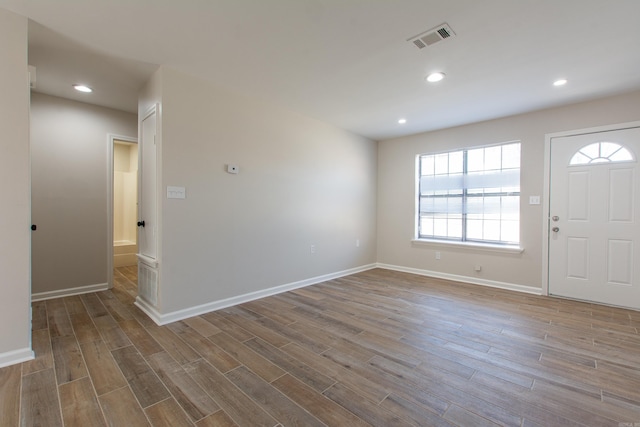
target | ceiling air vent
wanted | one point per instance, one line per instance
(432, 36)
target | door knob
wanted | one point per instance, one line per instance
(555, 229)
(556, 218)
(140, 223)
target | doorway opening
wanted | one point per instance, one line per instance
(123, 197)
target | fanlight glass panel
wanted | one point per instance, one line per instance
(601, 152)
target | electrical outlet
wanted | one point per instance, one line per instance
(313, 248)
(437, 255)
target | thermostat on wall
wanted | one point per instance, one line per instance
(233, 169)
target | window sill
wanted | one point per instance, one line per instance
(469, 245)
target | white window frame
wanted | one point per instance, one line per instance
(464, 240)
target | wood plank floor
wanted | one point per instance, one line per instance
(376, 348)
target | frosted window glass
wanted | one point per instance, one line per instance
(601, 152)
(492, 207)
(427, 204)
(475, 206)
(491, 230)
(621, 156)
(426, 225)
(440, 227)
(474, 229)
(456, 162)
(592, 151)
(442, 163)
(482, 204)
(608, 148)
(455, 205)
(511, 156)
(492, 158)
(510, 208)
(579, 159)
(475, 160)
(427, 165)
(455, 227)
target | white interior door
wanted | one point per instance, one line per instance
(594, 209)
(148, 212)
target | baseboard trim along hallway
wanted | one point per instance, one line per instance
(165, 318)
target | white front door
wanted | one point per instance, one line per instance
(594, 217)
(147, 211)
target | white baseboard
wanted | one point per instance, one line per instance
(16, 356)
(163, 319)
(150, 311)
(125, 260)
(463, 279)
(41, 296)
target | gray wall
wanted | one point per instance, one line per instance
(301, 182)
(15, 337)
(396, 188)
(69, 190)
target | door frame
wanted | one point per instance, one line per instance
(546, 194)
(111, 138)
(153, 110)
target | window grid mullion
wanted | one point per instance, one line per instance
(444, 214)
(464, 196)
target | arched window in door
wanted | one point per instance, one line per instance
(601, 152)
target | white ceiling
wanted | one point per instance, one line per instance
(346, 62)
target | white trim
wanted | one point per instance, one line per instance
(151, 311)
(111, 137)
(41, 296)
(463, 279)
(597, 129)
(546, 189)
(155, 109)
(153, 263)
(474, 246)
(16, 356)
(546, 193)
(163, 319)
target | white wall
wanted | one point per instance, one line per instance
(69, 142)
(396, 188)
(15, 322)
(301, 182)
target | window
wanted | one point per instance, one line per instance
(601, 152)
(470, 195)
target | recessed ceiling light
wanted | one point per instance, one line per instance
(435, 77)
(560, 82)
(402, 121)
(82, 88)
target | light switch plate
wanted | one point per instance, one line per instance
(534, 200)
(176, 193)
